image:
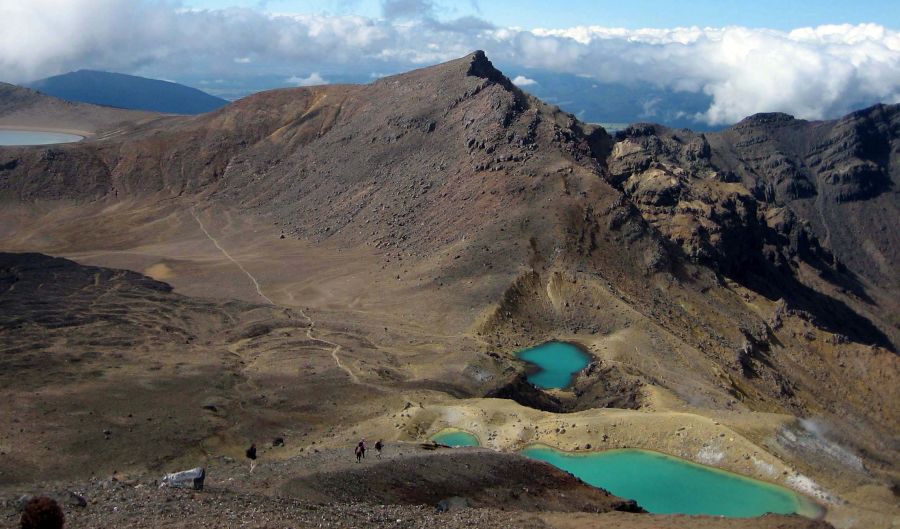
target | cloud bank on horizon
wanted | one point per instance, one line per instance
(813, 73)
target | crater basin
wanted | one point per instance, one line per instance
(555, 364)
(455, 437)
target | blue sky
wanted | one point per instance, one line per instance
(775, 14)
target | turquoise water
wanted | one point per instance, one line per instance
(665, 484)
(35, 137)
(454, 437)
(556, 362)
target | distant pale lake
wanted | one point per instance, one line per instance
(35, 137)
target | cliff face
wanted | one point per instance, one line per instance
(841, 177)
(791, 208)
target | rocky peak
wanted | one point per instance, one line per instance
(481, 66)
(768, 117)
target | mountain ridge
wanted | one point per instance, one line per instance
(309, 115)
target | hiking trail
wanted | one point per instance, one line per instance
(309, 331)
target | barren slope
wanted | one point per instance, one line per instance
(436, 222)
(23, 108)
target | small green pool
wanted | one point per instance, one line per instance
(556, 363)
(454, 437)
(664, 484)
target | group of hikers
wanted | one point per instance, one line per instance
(360, 452)
(362, 446)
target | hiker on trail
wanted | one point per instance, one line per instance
(251, 455)
(378, 446)
(359, 452)
(363, 446)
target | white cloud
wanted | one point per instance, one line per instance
(406, 8)
(312, 80)
(521, 80)
(810, 72)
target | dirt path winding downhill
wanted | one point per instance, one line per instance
(334, 353)
(334, 350)
(309, 331)
(230, 258)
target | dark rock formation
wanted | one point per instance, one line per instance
(771, 195)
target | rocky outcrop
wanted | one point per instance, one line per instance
(839, 177)
(773, 197)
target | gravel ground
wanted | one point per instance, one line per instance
(111, 503)
(117, 504)
(233, 498)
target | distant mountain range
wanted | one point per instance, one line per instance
(128, 91)
(619, 104)
(612, 104)
(26, 108)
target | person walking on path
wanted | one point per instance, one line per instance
(251, 455)
(378, 446)
(359, 452)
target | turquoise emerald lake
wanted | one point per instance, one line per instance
(665, 484)
(454, 437)
(35, 137)
(555, 362)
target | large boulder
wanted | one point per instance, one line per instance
(187, 479)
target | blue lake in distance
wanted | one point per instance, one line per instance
(664, 484)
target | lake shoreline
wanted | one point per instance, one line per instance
(804, 505)
(536, 372)
(38, 136)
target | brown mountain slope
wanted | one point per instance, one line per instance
(24, 108)
(442, 219)
(106, 370)
(840, 176)
(453, 169)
